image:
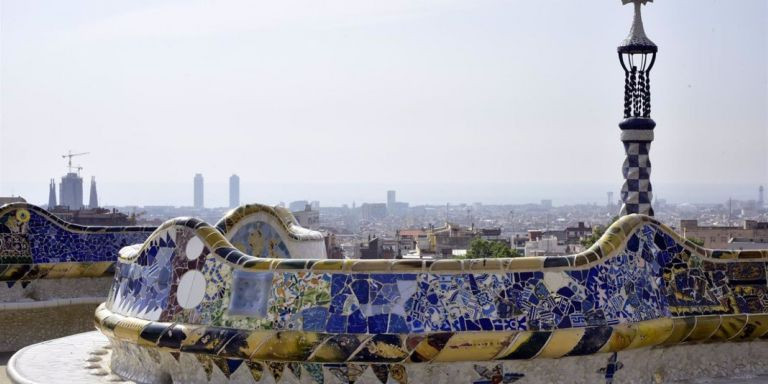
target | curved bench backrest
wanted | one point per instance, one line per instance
(270, 232)
(36, 244)
(640, 285)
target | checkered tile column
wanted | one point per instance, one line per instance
(637, 193)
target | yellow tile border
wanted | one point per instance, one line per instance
(561, 342)
(456, 346)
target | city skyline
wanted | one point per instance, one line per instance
(436, 95)
(224, 194)
(217, 193)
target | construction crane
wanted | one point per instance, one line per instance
(70, 155)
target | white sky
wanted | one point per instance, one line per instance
(396, 91)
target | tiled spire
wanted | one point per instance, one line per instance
(637, 54)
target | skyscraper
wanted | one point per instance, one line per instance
(71, 191)
(93, 199)
(234, 191)
(298, 205)
(198, 203)
(760, 197)
(391, 200)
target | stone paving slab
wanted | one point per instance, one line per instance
(4, 356)
(81, 358)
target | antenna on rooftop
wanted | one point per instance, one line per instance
(70, 155)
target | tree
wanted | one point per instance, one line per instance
(597, 233)
(696, 241)
(480, 248)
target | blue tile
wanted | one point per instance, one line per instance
(378, 323)
(361, 290)
(336, 324)
(314, 319)
(397, 324)
(357, 323)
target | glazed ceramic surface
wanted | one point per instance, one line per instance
(189, 290)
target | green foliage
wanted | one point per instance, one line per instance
(696, 241)
(597, 232)
(480, 248)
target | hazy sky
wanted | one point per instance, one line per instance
(397, 92)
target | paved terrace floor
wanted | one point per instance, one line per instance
(4, 356)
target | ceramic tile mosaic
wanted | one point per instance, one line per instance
(495, 375)
(273, 220)
(270, 232)
(260, 239)
(637, 192)
(652, 277)
(611, 368)
(640, 285)
(34, 244)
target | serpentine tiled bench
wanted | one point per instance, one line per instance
(272, 232)
(189, 306)
(35, 244)
(53, 269)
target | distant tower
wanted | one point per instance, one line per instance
(52, 195)
(637, 53)
(93, 199)
(198, 191)
(610, 199)
(391, 200)
(234, 191)
(71, 187)
(71, 191)
(760, 197)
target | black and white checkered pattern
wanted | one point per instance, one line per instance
(637, 193)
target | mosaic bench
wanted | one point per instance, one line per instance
(48, 264)
(53, 269)
(189, 305)
(35, 244)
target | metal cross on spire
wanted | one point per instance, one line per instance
(637, 38)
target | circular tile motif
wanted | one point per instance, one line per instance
(22, 215)
(194, 248)
(191, 289)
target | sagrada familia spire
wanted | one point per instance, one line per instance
(93, 199)
(52, 195)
